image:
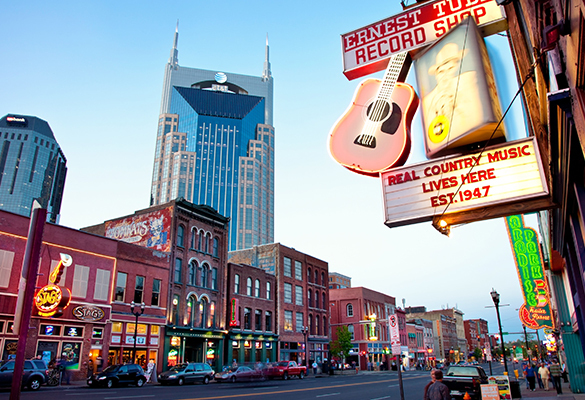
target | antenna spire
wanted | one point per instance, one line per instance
(267, 74)
(174, 58)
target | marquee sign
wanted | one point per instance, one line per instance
(51, 300)
(367, 50)
(88, 313)
(536, 312)
(503, 174)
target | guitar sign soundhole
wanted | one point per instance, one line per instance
(378, 110)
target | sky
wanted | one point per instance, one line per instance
(94, 71)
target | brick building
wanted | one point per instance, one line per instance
(338, 281)
(476, 333)
(301, 299)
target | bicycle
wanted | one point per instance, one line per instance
(54, 377)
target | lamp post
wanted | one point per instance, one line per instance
(496, 299)
(305, 331)
(137, 313)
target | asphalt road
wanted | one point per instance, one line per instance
(366, 386)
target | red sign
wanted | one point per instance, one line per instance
(152, 230)
(367, 50)
(234, 315)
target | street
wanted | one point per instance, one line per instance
(366, 385)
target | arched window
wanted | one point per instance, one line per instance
(215, 247)
(257, 288)
(349, 309)
(193, 236)
(192, 272)
(249, 286)
(309, 275)
(199, 240)
(316, 281)
(237, 284)
(199, 275)
(316, 299)
(268, 291)
(205, 276)
(203, 310)
(325, 326)
(181, 236)
(206, 242)
(311, 331)
(324, 302)
(214, 278)
(317, 326)
(322, 278)
(192, 312)
(309, 298)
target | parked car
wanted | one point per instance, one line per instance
(187, 373)
(239, 374)
(34, 374)
(119, 375)
(465, 379)
(286, 370)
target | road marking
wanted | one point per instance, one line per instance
(392, 385)
(84, 393)
(266, 387)
(380, 398)
(328, 394)
(233, 396)
(129, 397)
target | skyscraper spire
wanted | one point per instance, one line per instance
(174, 58)
(267, 74)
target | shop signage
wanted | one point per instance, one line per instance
(505, 174)
(152, 230)
(503, 384)
(536, 312)
(175, 341)
(490, 392)
(88, 313)
(13, 120)
(367, 50)
(234, 314)
(51, 300)
(139, 340)
(200, 335)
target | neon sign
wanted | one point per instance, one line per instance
(51, 300)
(234, 317)
(535, 313)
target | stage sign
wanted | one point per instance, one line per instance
(504, 174)
(368, 49)
(536, 311)
(152, 230)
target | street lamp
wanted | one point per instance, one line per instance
(137, 313)
(305, 331)
(496, 299)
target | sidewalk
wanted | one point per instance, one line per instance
(550, 393)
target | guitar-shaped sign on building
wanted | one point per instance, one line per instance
(51, 299)
(373, 135)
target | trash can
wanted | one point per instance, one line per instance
(515, 389)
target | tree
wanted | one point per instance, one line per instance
(477, 353)
(341, 347)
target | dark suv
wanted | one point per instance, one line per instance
(119, 375)
(33, 376)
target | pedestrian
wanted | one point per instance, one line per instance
(555, 371)
(531, 376)
(433, 379)
(314, 365)
(524, 366)
(544, 375)
(438, 390)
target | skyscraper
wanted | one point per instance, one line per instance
(215, 146)
(32, 166)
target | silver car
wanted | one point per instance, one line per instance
(187, 373)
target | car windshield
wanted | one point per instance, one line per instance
(282, 364)
(111, 368)
(462, 371)
(179, 367)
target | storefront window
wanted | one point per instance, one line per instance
(154, 329)
(48, 351)
(71, 352)
(50, 330)
(120, 286)
(9, 349)
(116, 327)
(138, 289)
(142, 328)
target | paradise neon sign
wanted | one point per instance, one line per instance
(51, 300)
(234, 317)
(535, 313)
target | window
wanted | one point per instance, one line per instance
(324, 326)
(178, 270)
(309, 275)
(309, 298)
(317, 325)
(205, 276)
(214, 278)
(350, 329)
(199, 240)
(299, 295)
(316, 281)
(120, 286)
(102, 283)
(298, 270)
(138, 289)
(6, 261)
(247, 318)
(192, 273)
(193, 236)
(322, 278)
(249, 286)
(287, 293)
(288, 321)
(237, 283)
(323, 302)
(175, 314)
(257, 288)
(268, 292)
(181, 236)
(258, 320)
(268, 321)
(215, 247)
(316, 299)
(192, 311)
(155, 292)
(287, 267)
(206, 242)
(80, 279)
(203, 311)
(299, 321)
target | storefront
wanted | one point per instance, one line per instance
(193, 345)
(251, 348)
(318, 350)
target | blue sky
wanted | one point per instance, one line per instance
(94, 71)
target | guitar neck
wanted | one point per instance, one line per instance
(391, 76)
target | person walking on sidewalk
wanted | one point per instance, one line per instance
(544, 375)
(531, 376)
(555, 371)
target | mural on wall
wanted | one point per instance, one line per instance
(152, 230)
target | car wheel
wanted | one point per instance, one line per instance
(34, 384)
(180, 382)
(110, 383)
(301, 375)
(233, 379)
(206, 380)
(285, 376)
(140, 382)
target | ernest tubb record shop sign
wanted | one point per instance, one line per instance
(368, 49)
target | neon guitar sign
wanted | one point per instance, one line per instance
(373, 135)
(51, 299)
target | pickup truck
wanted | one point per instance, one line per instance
(286, 370)
(465, 379)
